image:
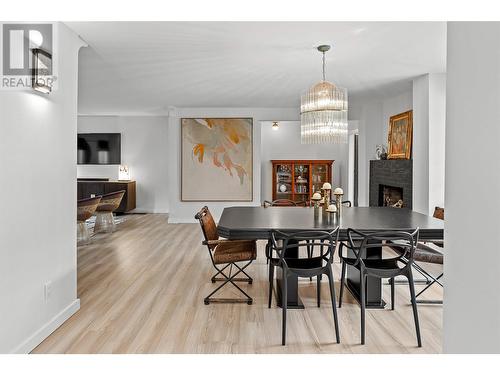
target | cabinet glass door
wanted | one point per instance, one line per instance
(283, 181)
(301, 182)
(319, 176)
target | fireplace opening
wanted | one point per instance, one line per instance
(390, 196)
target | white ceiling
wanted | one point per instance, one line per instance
(144, 67)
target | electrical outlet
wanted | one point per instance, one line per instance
(47, 290)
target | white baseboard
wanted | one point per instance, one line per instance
(35, 339)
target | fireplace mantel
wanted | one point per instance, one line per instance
(397, 173)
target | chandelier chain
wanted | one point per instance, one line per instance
(324, 74)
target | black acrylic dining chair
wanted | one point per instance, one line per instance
(385, 268)
(315, 266)
(280, 203)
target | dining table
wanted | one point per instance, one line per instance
(257, 223)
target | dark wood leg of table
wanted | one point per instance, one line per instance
(373, 285)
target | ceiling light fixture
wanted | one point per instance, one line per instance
(275, 125)
(323, 111)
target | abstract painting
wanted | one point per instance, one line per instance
(400, 136)
(217, 159)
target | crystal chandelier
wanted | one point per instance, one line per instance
(323, 111)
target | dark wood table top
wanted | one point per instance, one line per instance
(257, 222)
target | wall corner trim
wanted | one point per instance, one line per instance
(46, 330)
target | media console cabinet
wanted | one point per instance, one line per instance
(88, 187)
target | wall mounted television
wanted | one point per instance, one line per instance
(99, 148)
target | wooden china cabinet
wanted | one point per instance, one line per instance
(298, 180)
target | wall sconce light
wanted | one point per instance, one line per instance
(275, 125)
(123, 173)
(41, 79)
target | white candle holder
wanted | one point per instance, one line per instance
(339, 193)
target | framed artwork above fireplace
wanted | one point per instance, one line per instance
(400, 136)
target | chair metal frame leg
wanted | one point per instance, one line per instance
(329, 274)
(309, 255)
(318, 290)
(271, 284)
(414, 306)
(421, 271)
(391, 281)
(229, 279)
(429, 301)
(362, 297)
(215, 278)
(246, 279)
(426, 274)
(284, 297)
(342, 281)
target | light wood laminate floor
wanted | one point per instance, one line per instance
(142, 288)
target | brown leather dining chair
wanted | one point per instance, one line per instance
(105, 221)
(85, 209)
(226, 253)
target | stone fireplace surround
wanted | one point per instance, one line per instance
(396, 173)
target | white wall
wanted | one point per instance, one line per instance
(370, 134)
(429, 110)
(373, 120)
(420, 148)
(284, 143)
(144, 150)
(392, 106)
(437, 132)
(185, 211)
(471, 299)
(38, 215)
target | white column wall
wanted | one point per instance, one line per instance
(429, 109)
(437, 127)
(420, 149)
(472, 235)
